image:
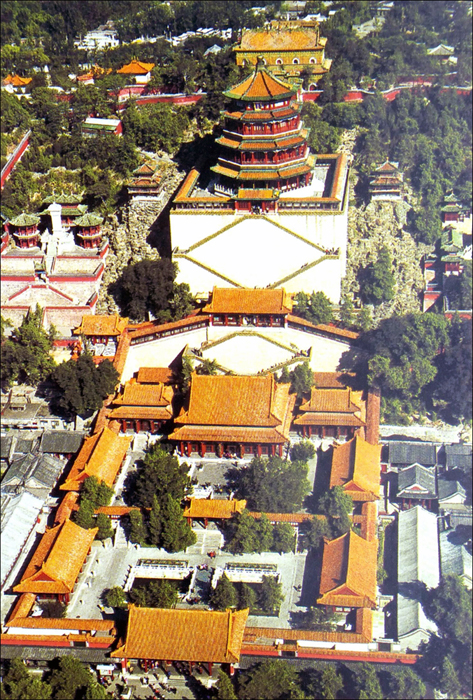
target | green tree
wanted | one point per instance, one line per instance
(225, 688)
(315, 308)
(176, 534)
(314, 531)
(302, 379)
(138, 529)
(82, 385)
(453, 380)
(271, 485)
(337, 506)
(319, 619)
(284, 377)
(224, 596)
(116, 597)
(84, 517)
(207, 367)
(366, 682)
(247, 597)
(105, 527)
(271, 680)
(18, 684)
(365, 319)
(325, 684)
(155, 594)
(270, 595)
(283, 538)
(378, 282)
(404, 683)
(240, 534)
(347, 316)
(26, 353)
(155, 525)
(302, 451)
(160, 475)
(69, 678)
(96, 491)
(148, 286)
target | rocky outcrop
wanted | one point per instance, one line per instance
(128, 231)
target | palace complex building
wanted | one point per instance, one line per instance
(287, 49)
(268, 213)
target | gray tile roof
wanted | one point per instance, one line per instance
(411, 452)
(24, 445)
(5, 445)
(61, 441)
(418, 548)
(454, 558)
(34, 471)
(448, 488)
(416, 482)
(458, 455)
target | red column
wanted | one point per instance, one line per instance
(124, 425)
(137, 425)
(202, 449)
(271, 321)
(273, 450)
(210, 666)
(280, 450)
(181, 447)
(151, 423)
(242, 450)
(310, 431)
(303, 431)
(259, 450)
(323, 431)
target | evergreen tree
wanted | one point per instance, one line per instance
(270, 596)
(105, 527)
(337, 506)
(247, 597)
(315, 308)
(283, 538)
(366, 683)
(18, 683)
(284, 377)
(176, 534)
(224, 595)
(69, 678)
(271, 680)
(155, 523)
(25, 354)
(138, 530)
(302, 379)
(225, 689)
(116, 597)
(97, 492)
(302, 451)
(378, 279)
(84, 517)
(404, 683)
(347, 316)
(263, 534)
(82, 385)
(314, 531)
(365, 319)
(160, 475)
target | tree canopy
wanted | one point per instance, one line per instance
(271, 485)
(315, 307)
(82, 385)
(378, 279)
(148, 287)
(272, 680)
(26, 352)
(224, 596)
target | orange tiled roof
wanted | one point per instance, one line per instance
(356, 466)
(331, 380)
(232, 401)
(150, 327)
(116, 510)
(332, 330)
(155, 375)
(300, 39)
(183, 635)
(85, 76)
(101, 325)
(248, 301)
(332, 418)
(257, 194)
(216, 508)
(58, 559)
(142, 412)
(64, 623)
(261, 85)
(348, 575)
(136, 68)
(369, 523)
(22, 606)
(363, 632)
(328, 400)
(66, 507)
(210, 433)
(136, 394)
(101, 456)
(17, 81)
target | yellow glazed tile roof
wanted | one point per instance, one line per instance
(356, 466)
(101, 325)
(213, 508)
(136, 394)
(58, 559)
(136, 68)
(248, 301)
(280, 40)
(183, 635)
(261, 85)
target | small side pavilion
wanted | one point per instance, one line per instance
(143, 407)
(206, 509)
(332, 412)
(161, 636)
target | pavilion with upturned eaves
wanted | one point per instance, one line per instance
(235, 415)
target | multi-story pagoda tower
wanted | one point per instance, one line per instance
(268, 213)
(263, 147)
